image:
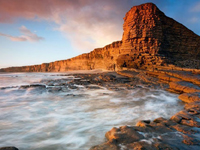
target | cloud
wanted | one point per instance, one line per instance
(12, 38)
(88, 29)
(35, 9)
(27, 36)
(86, 23)
(194, 20)
(196, 7)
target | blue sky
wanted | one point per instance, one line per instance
(37, 31)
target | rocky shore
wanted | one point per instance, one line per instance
(181, 131)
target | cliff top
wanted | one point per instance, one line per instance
(146, 9)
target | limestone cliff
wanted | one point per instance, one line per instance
(150, 40)
(100, 58)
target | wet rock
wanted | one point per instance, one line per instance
(185, 76)
(106, 146)
(159, 120)
(184, 87)
(71, 86)
(107, 78)
(76, 95)
(193, 108)
(163, 124)
(38, 85)
(183, 129)
(190, 140)
(143, 123)
(190, 97)
(123, 134)
(168, 78)
(163, 146)
(192, 123)
(163, 77)
(129, 74)
(33, 86)
(8, 148)
(142, 145)
(181, 115)
(93, 87)
(161, 129)
(24, 86)
(54, 89)
(185, 118)
(4, 88)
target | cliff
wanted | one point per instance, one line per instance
(150, 40)
(100, 58)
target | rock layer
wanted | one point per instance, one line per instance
(150, 40)
(100, 58)
(181, 131)
(158, 39)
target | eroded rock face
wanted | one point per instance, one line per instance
(150, 38)
(100, 58)
(140, 32)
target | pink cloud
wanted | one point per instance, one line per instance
(10, 10)
(13, 38)
(86, 23)
(27, 36)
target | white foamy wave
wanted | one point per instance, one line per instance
(54, 116)
(17, 79)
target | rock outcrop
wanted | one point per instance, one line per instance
(150, 40)
(100, 58)
(8, 148)
(181, 131)
(153, 39)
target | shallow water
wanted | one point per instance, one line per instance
(61, 118)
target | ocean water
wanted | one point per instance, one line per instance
(50, 115)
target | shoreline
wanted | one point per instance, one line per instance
(149, 134)
(181, 131)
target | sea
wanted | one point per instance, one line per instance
(39, 111)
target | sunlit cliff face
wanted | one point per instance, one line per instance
(64, 28)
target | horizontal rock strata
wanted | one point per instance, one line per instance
(151, 40)
(100, 58)
(181, 131)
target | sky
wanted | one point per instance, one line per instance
(41, 31)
